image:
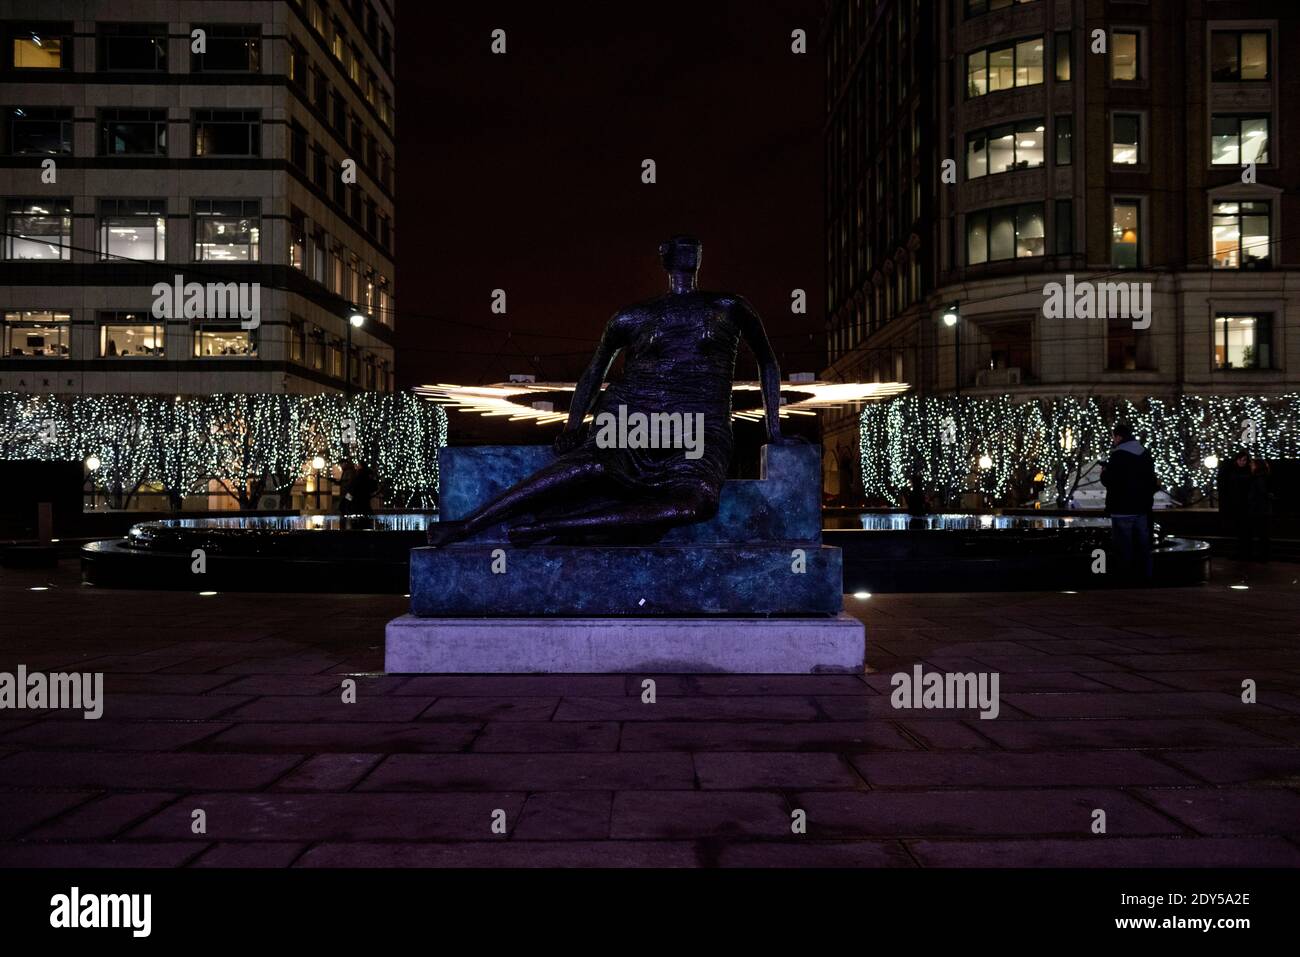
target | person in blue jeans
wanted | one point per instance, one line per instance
(1129, 476)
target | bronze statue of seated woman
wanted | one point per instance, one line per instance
(679, 358)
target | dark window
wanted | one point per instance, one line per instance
(124, 132)
(340, 188)
(1010, 232)
(1064, 140)
(1127, 349)
(1011, 346)
(232, 48)
(318, 166)
(340, 114)
(227, 133)
(133, 47)
(1239, 55)
(298, 146)
(316, 254)
(316, 348)
(320, 89)
(40, 130)
(976, 7)
(1062, 48)
(297, 339)
(1064, 227)
(1243, 340)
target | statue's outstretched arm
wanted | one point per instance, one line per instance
(769, 373)
(588, 386)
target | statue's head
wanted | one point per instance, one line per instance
(681, 254)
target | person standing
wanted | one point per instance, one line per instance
(1233, 504)
(1259, 511)
(1129, 476)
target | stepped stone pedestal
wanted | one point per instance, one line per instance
(752, 590)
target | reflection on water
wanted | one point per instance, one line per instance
(405, 522)
(901, 521)
(419, 521)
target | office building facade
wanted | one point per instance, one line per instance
(197, 196)
(981, 151)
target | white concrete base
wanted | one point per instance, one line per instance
(624, 645)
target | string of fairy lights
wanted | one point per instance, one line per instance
(1001, 447)
(249, 443)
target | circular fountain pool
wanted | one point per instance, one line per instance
(882, 552)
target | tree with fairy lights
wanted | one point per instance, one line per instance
(945, 438)
(249, 444)
(179, 451)
(252, 444)
(116, 430)
(1078, 437)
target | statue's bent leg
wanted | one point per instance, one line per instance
(538, 489)
(680, 506)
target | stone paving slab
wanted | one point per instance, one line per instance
(1129, 702)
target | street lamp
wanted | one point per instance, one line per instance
(317, 463)
(1211, 462)
(92, 465)
(985, 480)
(951, 319)
(355, 321)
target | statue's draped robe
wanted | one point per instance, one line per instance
(682, 362)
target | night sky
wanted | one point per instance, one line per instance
(523, 172)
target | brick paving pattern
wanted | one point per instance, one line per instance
(1128, 702)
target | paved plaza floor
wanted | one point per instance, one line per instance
(1124, 702)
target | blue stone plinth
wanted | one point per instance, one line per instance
(783, 505)
(724, 579)
(470, 476)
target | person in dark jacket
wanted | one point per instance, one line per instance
(917, 504)
(1259, 511)
(359, 490)
(1233, 506)
(1129, 476)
